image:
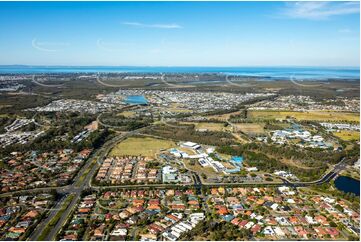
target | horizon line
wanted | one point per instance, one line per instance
(181, 66)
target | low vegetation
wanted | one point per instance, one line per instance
(215, 138)
(348, 135)
(311, 115)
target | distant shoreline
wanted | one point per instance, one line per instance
(266, 73)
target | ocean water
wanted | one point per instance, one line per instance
(307, 73)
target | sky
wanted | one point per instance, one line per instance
(180, 33)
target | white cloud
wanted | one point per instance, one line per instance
(319, 10)
(157, 26)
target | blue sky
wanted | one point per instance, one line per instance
(180, 33)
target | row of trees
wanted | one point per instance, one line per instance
(209, 137)
(126, 123)
(216, 231)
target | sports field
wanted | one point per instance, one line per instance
(311, 115)
(141, 146)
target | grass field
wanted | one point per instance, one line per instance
(208, 171)
(141, 146)
(312, 115)
(176, 108)
(223, 117)
(211, 126)
(127, 114)
(208, 126)
(348, 135)
(225, 156)
(250, 128)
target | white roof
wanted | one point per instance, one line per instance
(190, 144)
(274, 206)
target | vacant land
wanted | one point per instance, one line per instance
(208, 171)
(176, 108)
(127, 114)
(347, 135)
(208, 126)
(223, 117)
(250, 128)
(311, 115)
(141, 146)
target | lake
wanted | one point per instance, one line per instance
(136, 100)
(348, 184)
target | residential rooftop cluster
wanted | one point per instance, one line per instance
(72, 105)
(133, 169)
(283, 213)
(18, 215)
(142, 170)
(10, 86)
(339, 126)
(279, 213)
(38, 169)
(110, 98)
(17, 124)
(134, 215)
(13, 78)
(77, 225)
(12, 134)
(11, 138)
(195, 101)
(306, 103)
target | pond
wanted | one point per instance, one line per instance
(136, 100)
(348, 184)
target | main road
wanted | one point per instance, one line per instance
(79, 184)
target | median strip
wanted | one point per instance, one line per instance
(55, 219)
